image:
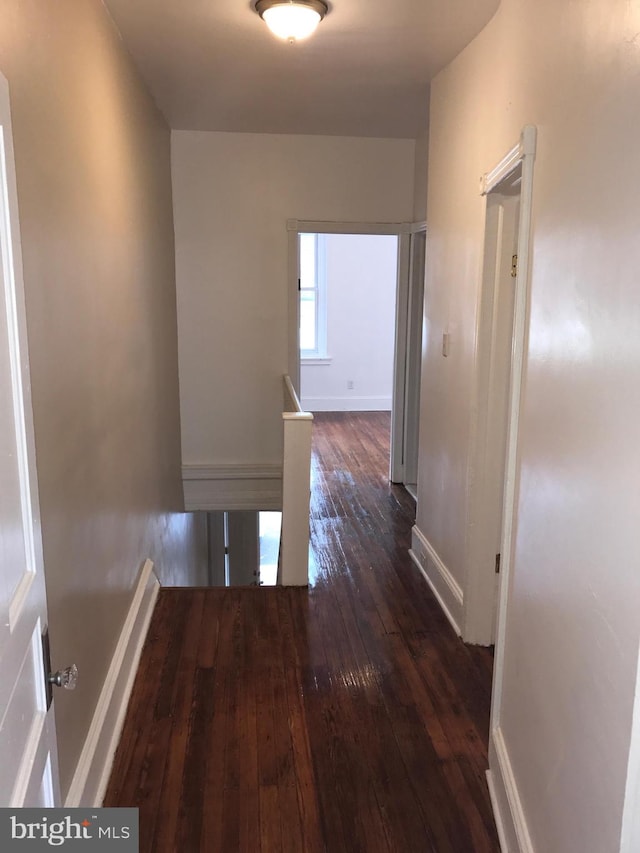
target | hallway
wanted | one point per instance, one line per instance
(343, 718)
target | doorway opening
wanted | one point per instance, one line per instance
(236, 548)
(494, 365)
(347, 329)
(500, 343)
(356, 325)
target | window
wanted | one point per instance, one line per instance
(313, 301)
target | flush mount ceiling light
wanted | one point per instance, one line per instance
(292, 20)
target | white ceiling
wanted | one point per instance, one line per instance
(213, 65)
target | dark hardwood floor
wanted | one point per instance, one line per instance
(343, 718)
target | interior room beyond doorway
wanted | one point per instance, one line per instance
(347, 321)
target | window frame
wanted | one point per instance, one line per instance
(317, 355)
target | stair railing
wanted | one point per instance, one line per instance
(296, 484)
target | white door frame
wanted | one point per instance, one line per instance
(479, 603)
(402, 230)
(489, 410)
(501, 784)
(415, 319)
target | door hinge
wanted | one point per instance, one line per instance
(497, 564)
(514, 266)
(299, 284)
(46, 663)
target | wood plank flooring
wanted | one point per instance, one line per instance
(343, 718)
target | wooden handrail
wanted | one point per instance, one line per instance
(291, 400)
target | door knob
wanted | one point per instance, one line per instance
(67, 678)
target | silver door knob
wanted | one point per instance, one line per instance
(67, 678)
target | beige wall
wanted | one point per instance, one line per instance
(421, 173)
(93, 171)
(233, 194)
(573, 70)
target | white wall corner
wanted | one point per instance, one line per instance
(443, 585)
(91, 776)
(505, 799)
(223, 488)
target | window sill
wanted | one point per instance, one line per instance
(314, 362)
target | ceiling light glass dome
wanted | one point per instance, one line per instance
(291, 20)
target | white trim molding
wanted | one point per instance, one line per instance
(92, 772)
(312, 226)
(223, 488)
(520, 325)
(346, 404)
(507, 804)
(315, 362)
(399, 387)
(443, 585)
(526, 146)
(505, 799)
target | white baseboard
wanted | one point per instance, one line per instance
(346, 404)
(505, 799)
(443, 585)
(497, 814)
(412, 488)
(222, 488)
(91, 777)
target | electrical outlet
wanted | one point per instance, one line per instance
(350, 385)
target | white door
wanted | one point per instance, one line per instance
(28, 757)
(507, 208)
(492, 407)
